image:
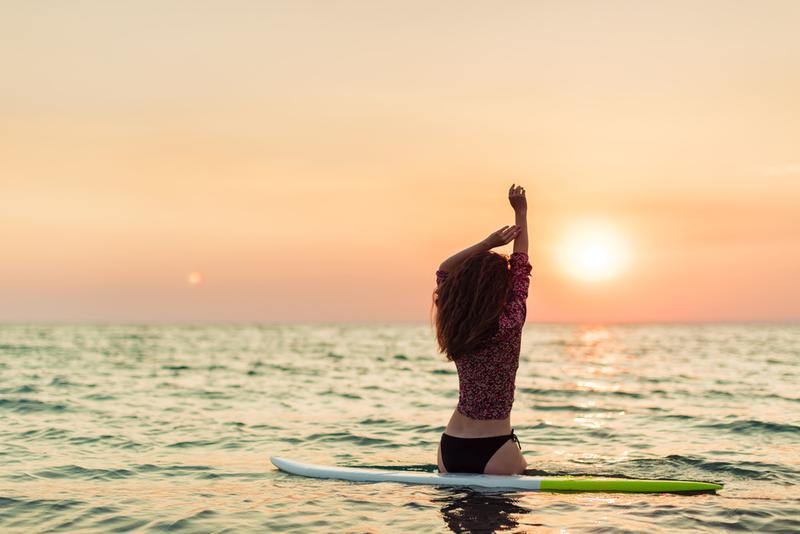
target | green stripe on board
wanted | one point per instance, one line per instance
(632, 485)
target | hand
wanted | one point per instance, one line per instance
(504, 235)
(516, 196)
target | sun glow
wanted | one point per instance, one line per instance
(194, 278)
(593, 251)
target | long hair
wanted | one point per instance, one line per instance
(468, 303)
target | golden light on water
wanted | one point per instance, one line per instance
(593, 251)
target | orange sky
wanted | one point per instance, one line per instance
(316, 161)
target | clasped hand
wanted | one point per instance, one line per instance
(506, 234)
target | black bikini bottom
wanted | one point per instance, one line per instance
(470, 455)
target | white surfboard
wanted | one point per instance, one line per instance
(520, 482)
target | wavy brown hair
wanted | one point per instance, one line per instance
(468, 303)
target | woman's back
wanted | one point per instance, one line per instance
(487, 377)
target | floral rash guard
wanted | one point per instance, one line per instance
(486, 378)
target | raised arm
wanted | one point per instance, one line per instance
(512, 318)
(496, 239)
(516, 196)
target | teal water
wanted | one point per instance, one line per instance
(153, 428)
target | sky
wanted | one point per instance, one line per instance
(247, 161)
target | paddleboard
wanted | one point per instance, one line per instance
(520, 482)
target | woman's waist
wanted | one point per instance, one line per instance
(461, 426)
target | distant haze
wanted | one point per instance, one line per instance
(293, 161)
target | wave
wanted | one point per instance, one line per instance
(748, 426)
(571, 408)
(77, 471)
(27, 388)
(350, 437)
(676, 465)
(21, 348)
(570, 392)
(205, 443)
(31, 406)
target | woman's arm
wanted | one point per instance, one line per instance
(496, 239)
(516, 196)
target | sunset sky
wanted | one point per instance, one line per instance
(173, 161)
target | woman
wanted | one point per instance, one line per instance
(480, 302)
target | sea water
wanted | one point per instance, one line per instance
(152, 428)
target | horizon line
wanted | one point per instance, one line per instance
(791, 322)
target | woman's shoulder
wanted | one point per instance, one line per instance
(519, 259)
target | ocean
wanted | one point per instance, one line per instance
(137, 428)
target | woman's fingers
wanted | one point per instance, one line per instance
(506, 233)
(509, 234)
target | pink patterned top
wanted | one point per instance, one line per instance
(486, 378)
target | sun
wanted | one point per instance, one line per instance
(593, 251)
(194, 278)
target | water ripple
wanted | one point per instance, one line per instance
(148, 428)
